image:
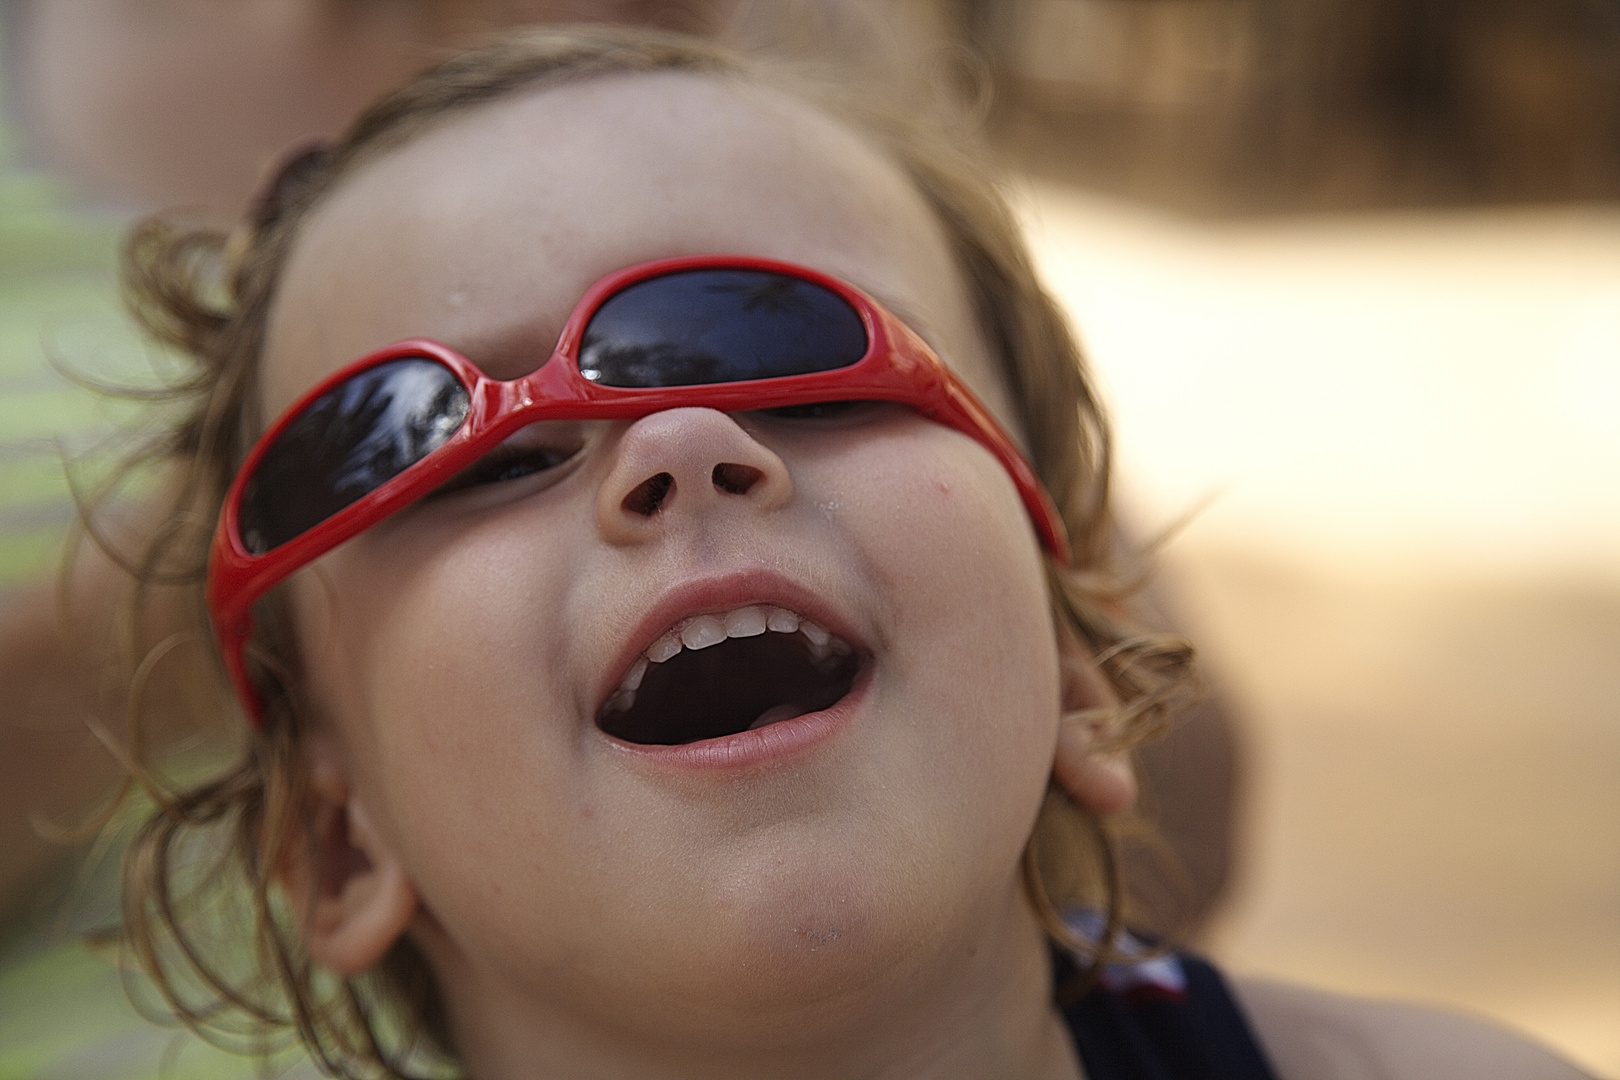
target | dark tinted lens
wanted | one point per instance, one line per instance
(717, 326)
(348, 442)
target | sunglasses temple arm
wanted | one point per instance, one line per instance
(233, 628)
(232, 641)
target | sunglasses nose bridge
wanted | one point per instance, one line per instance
(686, 463)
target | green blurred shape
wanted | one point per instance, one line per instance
(64, 1015)
(58, 300)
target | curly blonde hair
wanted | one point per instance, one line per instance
(200, 878)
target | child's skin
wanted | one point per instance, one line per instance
(841, 899)
(830, 899)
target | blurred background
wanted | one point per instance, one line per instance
(1349, 274)
(1349, 271)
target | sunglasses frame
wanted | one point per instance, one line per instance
(898, 366)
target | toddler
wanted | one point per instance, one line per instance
(661, 556)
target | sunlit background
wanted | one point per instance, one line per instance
(1397, 434)
(1349, 274)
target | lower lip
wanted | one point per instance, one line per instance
(773, 744)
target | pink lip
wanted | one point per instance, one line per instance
(716, 594)
(774, 744)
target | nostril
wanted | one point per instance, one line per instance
(736, 479)
(649, 495)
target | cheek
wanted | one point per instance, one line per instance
(423, 622)
(972, 666)
(950, 542)
(439, 664)
(439, 660)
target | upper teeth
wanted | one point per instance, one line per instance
(702, 631)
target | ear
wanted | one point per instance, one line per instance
(1101, 781)
(355, 896)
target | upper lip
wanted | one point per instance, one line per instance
(716, 594)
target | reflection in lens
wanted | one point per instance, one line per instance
(717, 326)
(348, 442)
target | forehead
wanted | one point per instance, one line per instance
(483, 232)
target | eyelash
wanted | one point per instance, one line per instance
(816, 410)
(506, 463)
(514, 462)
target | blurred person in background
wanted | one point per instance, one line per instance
(184, 102)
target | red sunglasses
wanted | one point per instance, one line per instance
(724, 332)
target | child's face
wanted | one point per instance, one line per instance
(463, 650)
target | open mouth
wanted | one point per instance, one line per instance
(716, 675)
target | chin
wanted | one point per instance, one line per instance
(813, 943)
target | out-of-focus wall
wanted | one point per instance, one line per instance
(1297, 104)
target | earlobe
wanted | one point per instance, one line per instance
(356, 896)
(1101, 781)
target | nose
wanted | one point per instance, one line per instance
(687, 462)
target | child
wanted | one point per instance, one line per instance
(686, 703)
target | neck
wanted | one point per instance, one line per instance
(974, 1007)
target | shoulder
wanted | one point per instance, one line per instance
(1314, 1035)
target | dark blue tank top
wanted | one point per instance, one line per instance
(1169, 1018)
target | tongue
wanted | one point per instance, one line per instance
(775, 713)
